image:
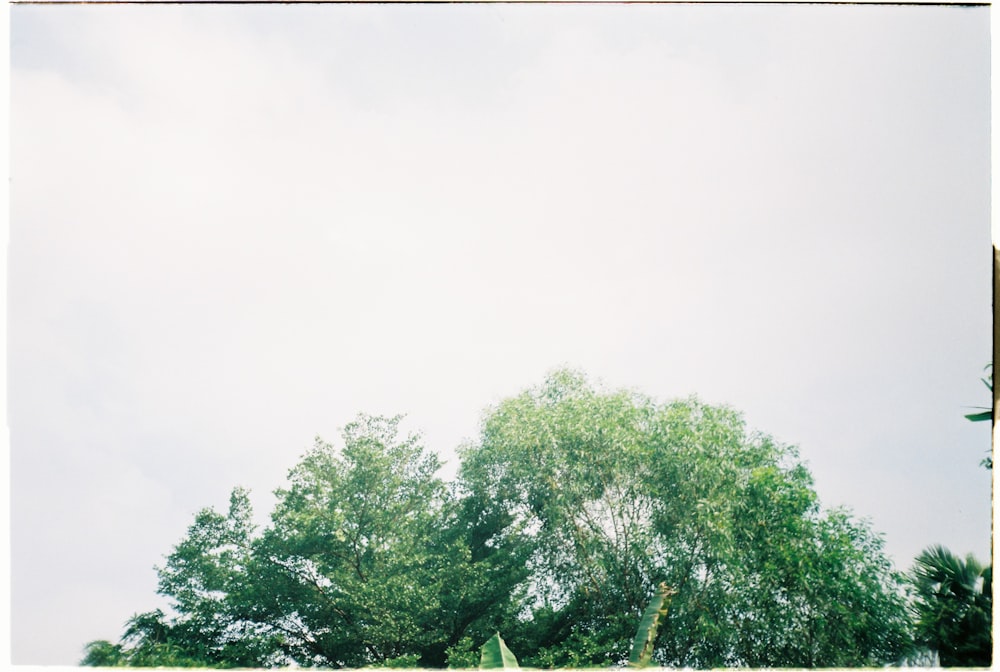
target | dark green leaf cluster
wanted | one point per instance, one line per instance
(953, 607)
(569, 510)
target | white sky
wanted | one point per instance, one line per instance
(234, 228)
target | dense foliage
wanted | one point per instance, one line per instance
(615, 493)
(570, 511)
(953, 607)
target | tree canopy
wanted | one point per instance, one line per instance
(571, 509)
(615, 493)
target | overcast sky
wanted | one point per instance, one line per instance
(234, 228)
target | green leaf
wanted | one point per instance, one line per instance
(642, 646)
(980, 417)
(495, 654)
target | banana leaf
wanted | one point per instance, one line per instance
(495, 654)
(642, 646)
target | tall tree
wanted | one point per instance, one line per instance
(349, 561)
(615, 493)
(370, 559)
(208, 579)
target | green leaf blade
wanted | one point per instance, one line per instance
(496, 655)
(642, 646)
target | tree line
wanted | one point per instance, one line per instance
(568, 511)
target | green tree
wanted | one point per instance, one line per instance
(150, 640)
(102, 653)
(370, 559)
(572, 507)
(351, 572)
(485, 571)
(615, 493)
(208, 579)
(953, 607)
